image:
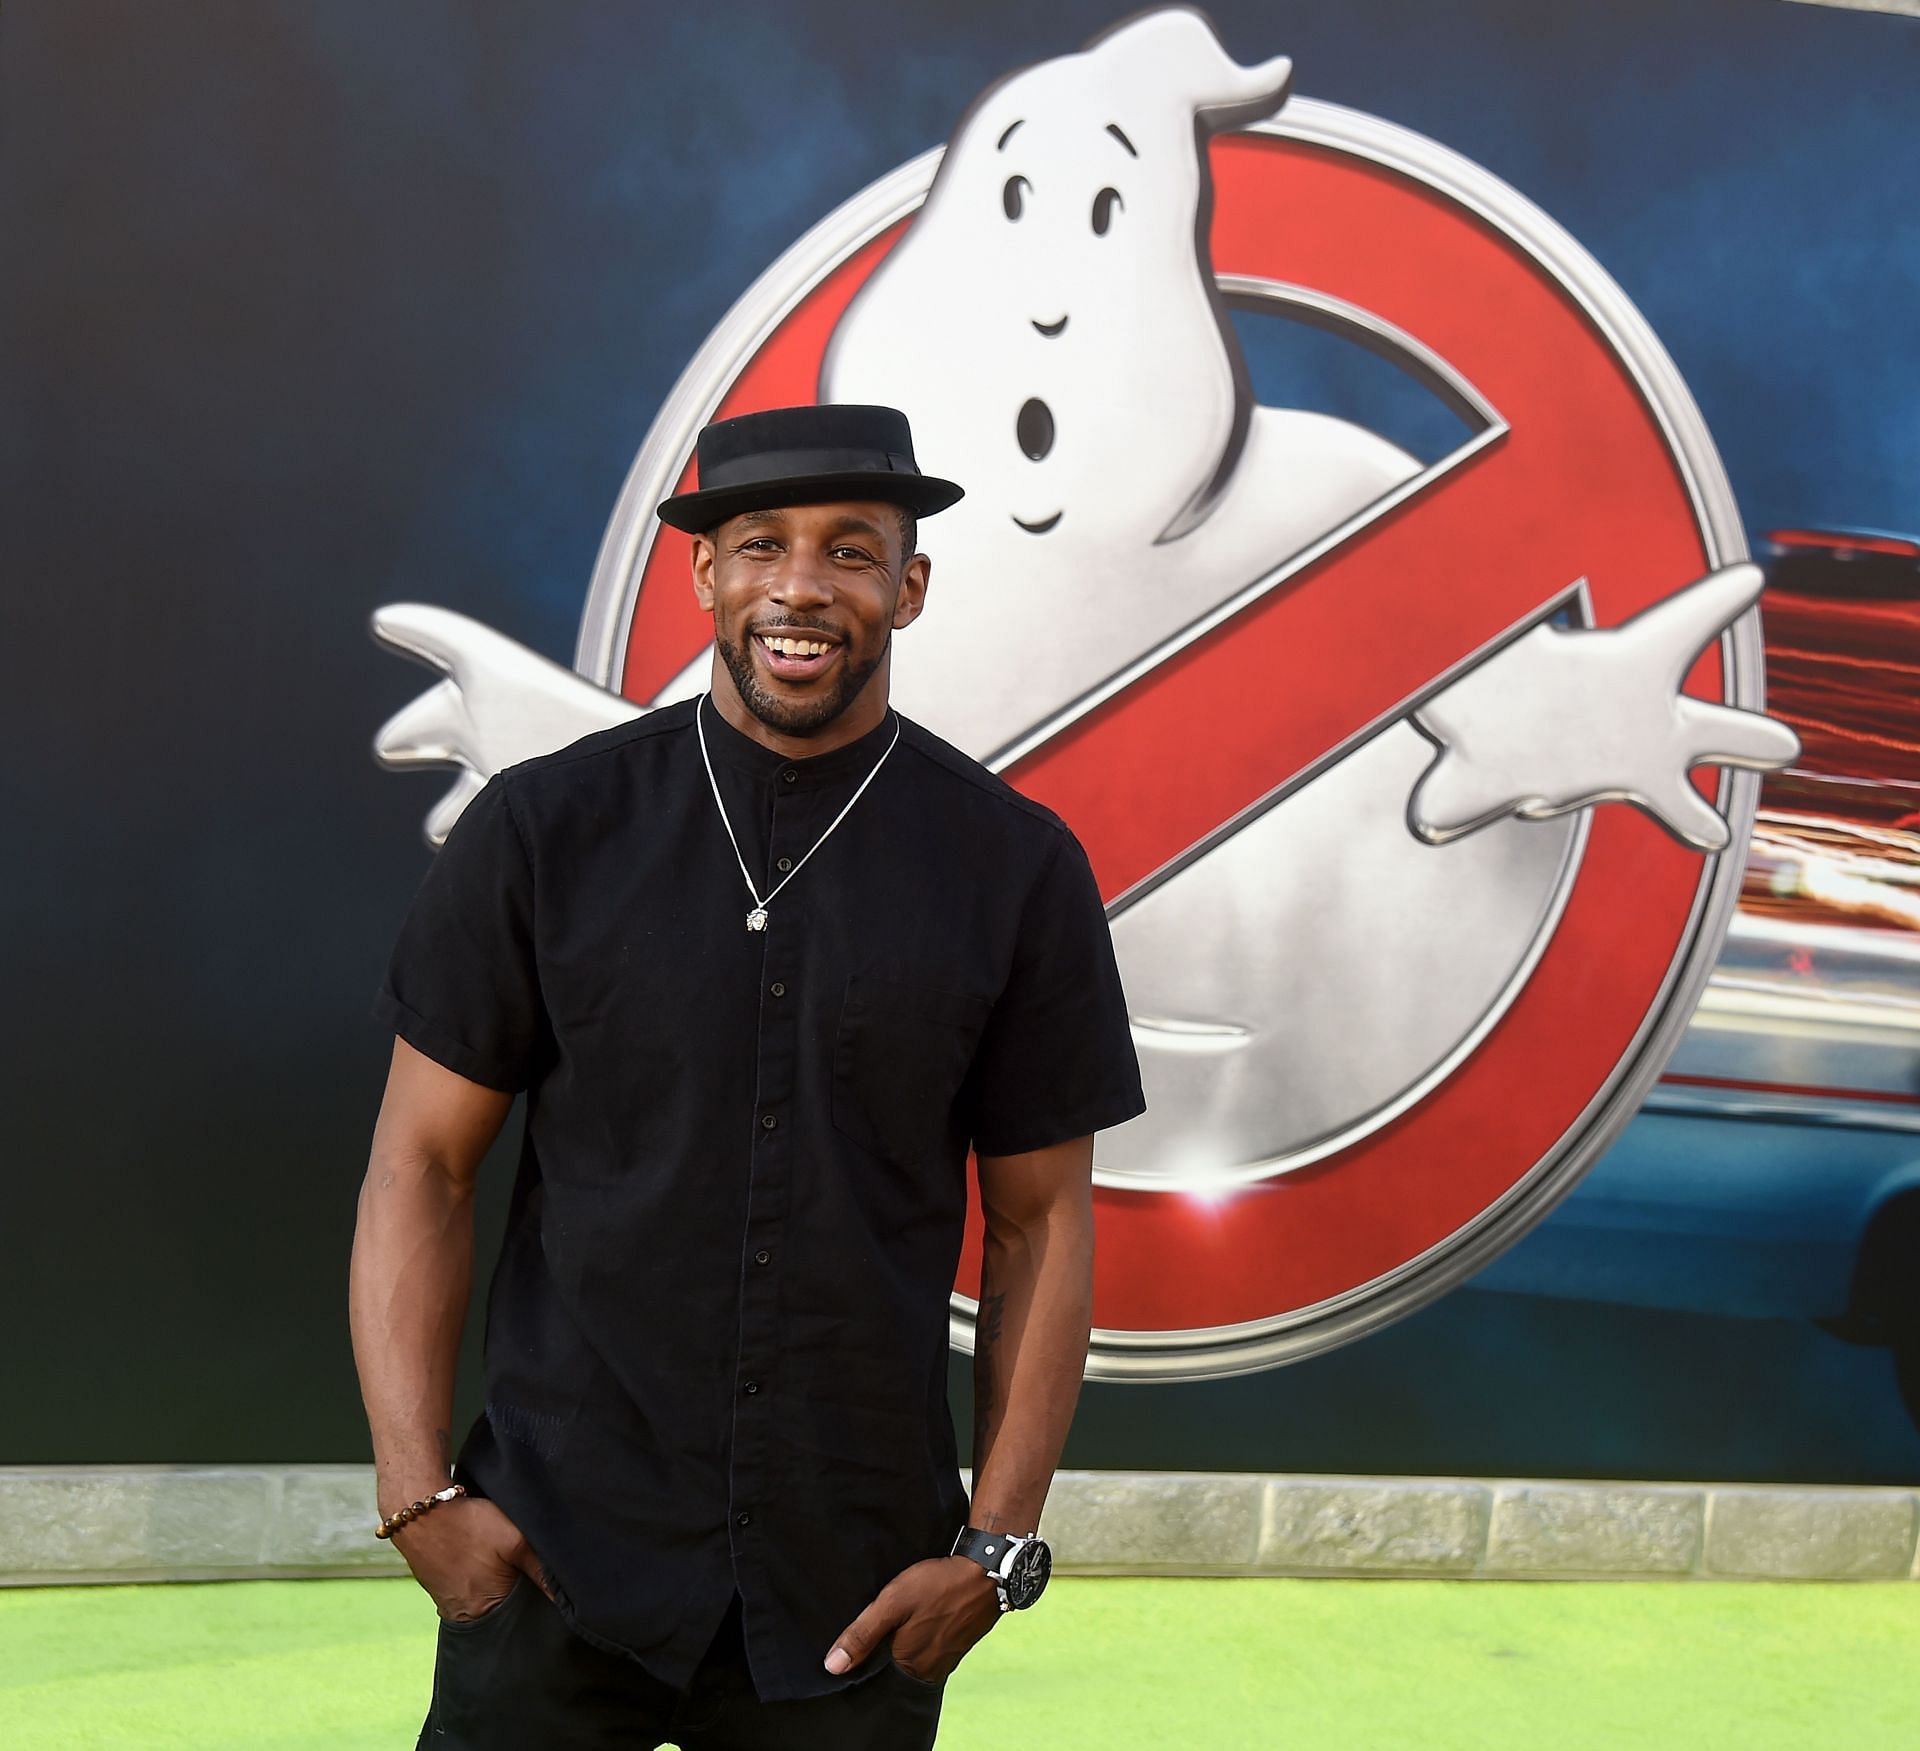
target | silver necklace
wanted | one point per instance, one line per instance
(757, 918)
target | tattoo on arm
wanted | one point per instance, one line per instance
(986, 1341)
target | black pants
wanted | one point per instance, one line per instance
(519, 1680)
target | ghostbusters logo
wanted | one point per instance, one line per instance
(1417, 787)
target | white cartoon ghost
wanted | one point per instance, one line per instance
(1051, 325)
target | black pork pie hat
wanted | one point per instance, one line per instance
(805, 456)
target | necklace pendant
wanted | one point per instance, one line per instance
(757, 918)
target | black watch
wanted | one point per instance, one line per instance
(1019, 1564)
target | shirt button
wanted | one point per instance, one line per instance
(768, 1121)
(790, 775)
(761, 1257)
(778, 988)
(743, 1518)
(752, 1387)
(784, 863)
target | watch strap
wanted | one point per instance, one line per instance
(989, 1549)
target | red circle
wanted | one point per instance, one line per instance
(1583, 484)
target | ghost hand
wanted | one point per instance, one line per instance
(1563, 718)
(500, 703)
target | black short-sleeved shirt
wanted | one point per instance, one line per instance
(717, 1334)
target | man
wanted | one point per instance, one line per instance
(765, 964)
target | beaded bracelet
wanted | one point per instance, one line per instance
(413, 1510)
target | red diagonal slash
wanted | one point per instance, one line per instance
(1299, 673)
(1369, 627)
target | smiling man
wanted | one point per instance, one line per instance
(768, 965)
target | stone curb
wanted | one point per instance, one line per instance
(92, 1523)
(79, 1524)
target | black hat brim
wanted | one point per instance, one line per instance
(697, 512)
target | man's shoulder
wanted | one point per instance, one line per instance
(598, 752)
(949, 766)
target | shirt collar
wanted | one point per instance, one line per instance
(732, 747)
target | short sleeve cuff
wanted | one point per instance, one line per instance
(445, 1048)
(1099, 1115)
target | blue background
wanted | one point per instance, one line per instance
(306, 308)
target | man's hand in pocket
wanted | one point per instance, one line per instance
(467, 1554)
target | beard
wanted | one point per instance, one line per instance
(796, 717)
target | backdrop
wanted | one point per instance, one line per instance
(309, 309)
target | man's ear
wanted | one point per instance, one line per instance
(913, 590)
(703, 558)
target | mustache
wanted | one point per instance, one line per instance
(793, 625)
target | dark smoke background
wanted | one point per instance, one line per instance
(308, 308)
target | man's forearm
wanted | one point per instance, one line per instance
(412, 1269)
(1030, 1351)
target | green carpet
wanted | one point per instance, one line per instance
(1219, 1665)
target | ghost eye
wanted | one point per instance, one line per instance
(1013, 196)
(1103, 204)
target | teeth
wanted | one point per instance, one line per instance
(795, 647)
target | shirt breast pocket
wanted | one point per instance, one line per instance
(900, 1056)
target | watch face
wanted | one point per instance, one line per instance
(1026, 1579)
